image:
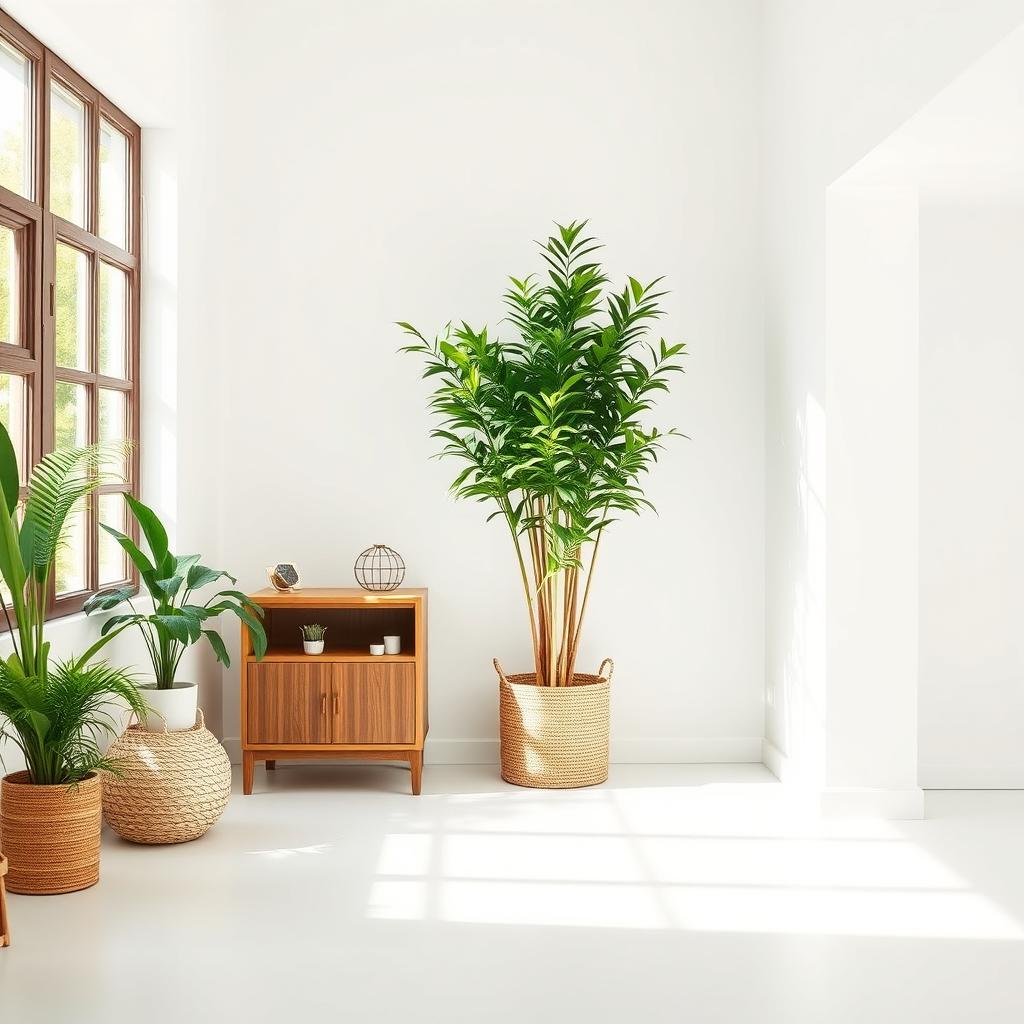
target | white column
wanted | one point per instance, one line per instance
(871, 389)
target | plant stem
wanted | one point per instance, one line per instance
(583, 608)
(526, 582)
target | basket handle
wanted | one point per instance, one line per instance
(500, 671)
(611, 669)
(142, 724)
(200, 718)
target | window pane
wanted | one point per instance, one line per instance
(71, 415)
(10, 287)
(67, 154)
(14, 416)
(112, 565)
(72, 553)
(113, 321)
(15, 120)
(113, 184)
(72, 307)
(113, 425)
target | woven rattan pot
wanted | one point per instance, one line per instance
(50, 835)
(172, 786)
(555, 737)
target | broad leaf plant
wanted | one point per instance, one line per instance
(180, 617)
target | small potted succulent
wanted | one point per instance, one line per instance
(313, 638)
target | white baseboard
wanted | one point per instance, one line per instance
(688, 750)
(735, 750)
(775, 760)
(460, 751)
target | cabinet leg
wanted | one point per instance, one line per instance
(271, 765)
(416, 768)
(248, 764)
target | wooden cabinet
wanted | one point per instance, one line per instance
(344, 703)
(304, 704)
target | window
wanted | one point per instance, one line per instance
(69, 289)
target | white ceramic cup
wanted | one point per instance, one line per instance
(376, 648)
(392, 645)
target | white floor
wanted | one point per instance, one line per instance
(697, 893)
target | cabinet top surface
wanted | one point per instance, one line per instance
(337, 595)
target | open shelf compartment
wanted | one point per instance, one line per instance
(350, 631)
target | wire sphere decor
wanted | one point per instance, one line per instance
(379, 568)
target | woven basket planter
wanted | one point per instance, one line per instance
(555, 737)
(50, 835)
(172, 786)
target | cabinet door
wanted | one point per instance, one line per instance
(289, 703)
(376, 703)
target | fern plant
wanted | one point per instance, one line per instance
(549, 425)
(55, 714)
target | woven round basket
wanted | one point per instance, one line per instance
(50, 834)
(171, 787)
(555, 737)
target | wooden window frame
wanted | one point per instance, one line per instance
(36, 360)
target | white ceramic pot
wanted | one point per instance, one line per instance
(313, 646)
(392, 645)
(176, 707)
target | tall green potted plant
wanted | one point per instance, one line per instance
(549, 427)
(56, 713)
(179, 618)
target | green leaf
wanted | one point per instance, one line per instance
(217, 644)
(256, 631)
(154, 532)
(243, 599)
(60, 481)
(119, 620)
(11, 566)
(168, 588)
(178, 627)
(10, 478)
(201, 576)
(183, 563)
(104, 600)
(146, 568)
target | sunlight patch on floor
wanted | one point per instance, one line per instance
(716, 859)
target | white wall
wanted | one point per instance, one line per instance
(394, 161)
(838, 78)
(376, 163)
(972, 492)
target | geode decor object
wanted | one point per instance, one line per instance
(284, 577)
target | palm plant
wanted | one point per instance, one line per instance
(177, 621)
(549, 426)
(56, 714)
